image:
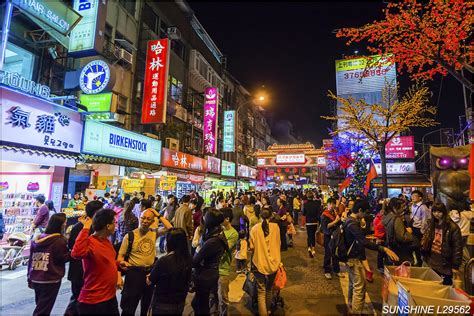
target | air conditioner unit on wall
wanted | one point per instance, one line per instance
(125, 56)
(172, 143)
(174, 33)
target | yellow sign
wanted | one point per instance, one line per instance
(103, 181)
(168, 183)
(130, 185)
(357, 63)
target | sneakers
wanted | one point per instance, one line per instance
(313, 253)
(328, 276)
(381, 270)
(340, 275)
(369, 276)
(310, 253)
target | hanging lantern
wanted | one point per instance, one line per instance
(287, 170)
(303, 170)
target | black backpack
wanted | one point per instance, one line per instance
(337, 244)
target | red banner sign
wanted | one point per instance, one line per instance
(400, 147)
(155, 86)
(179, 160)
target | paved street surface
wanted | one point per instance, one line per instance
(307, 290)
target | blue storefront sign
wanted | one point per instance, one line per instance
(110, 141)
(95, 77)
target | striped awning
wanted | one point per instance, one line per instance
(37, 156)
(118, 162)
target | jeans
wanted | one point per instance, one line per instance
(162, 244)
(200, 302)
(241, 264)
(329, 257)
(109, 307)
(220, 297)
(295, 217)
(45, 297)
(380, 258)
(264, 291)
(72, 308)
(311, 232)
(357, 286)
(135, 290)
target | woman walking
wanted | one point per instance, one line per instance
(265, 243)
(312, 211)
(171, 275)
(46, 267)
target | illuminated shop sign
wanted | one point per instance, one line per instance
(228, 168)
(110, 141)
(95, 77)
(155, 87)
(19, 82)
(290, 158)
(229, 131)
(211, 108)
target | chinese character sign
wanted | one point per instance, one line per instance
(180, 160)
(229, 130)
(32, 121)
(210, 120)
(155, 86)
(401, 147)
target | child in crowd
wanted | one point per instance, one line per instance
(241, 252)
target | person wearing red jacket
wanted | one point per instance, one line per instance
(379, 234)
(100, 267)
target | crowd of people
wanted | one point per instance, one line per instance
(114, 246)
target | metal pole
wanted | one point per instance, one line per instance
(5, 30)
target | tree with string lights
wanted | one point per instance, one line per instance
(377, 123)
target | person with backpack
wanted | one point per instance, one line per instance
(137, 255)
(312, 212)
(349, 245)
(330, 221)
(398, 236)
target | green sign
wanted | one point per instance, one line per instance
(87, 36)
(106, 140)
(96, 102)
(54, 13)
(228, 168)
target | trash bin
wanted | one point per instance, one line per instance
(424, 274)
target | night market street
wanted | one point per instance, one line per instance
(307, 291)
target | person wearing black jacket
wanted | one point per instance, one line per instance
(356, 243)
(312, 210)
(206, 261)
(75, 273)
(442, 244)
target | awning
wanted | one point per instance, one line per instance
(36, 156)
(400, 181)
(119, 162)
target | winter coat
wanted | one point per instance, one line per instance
(452, 246)
(48, 256)
(397, 238)
(379, 229)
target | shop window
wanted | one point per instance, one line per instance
(19, 60)
(163, 30)
(150, 18)
(178, 48)
(176, 89)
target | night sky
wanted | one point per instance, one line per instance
(290, 48)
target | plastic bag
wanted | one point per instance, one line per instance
(280, 279)
(403, 270)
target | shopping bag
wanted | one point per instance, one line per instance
(291, 229)
(250, 284)
(280, 279)
(403, 270)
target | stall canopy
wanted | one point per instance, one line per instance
(394, 181)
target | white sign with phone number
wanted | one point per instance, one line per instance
(397, 168)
